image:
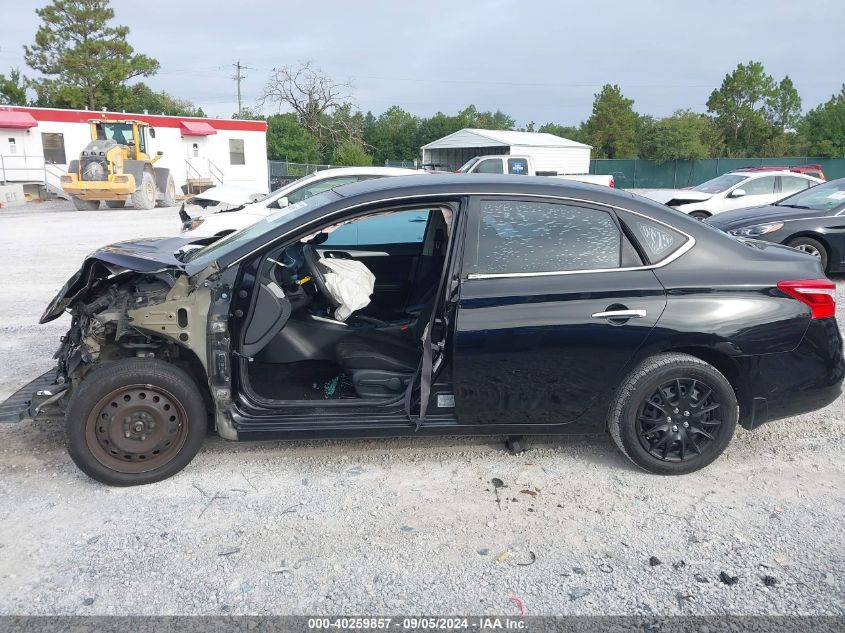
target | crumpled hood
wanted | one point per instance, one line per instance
(134, 256)
(676, 196)
(737, 218)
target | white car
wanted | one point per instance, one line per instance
(734, 190)
(237, 209)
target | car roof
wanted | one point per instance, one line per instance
(771, 172)
(465, 184)
(366, 171)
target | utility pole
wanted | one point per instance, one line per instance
(238, 77)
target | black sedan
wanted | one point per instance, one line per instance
(459, 305)
(812, 221)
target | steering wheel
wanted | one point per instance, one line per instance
(312, 262)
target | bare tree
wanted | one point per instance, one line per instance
(314, 97)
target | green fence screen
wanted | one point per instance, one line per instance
(646, 174)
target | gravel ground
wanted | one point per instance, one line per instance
(396, 526)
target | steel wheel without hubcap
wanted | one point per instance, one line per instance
(679, 420)
(136, 428)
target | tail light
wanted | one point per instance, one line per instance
(612, 182)
(817, 294)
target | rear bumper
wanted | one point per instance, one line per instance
(803, 380)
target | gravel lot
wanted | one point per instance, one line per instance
(396, 526)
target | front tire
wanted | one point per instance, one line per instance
(145, 194)
(169, 194)
(699, 215)
(811, 247)
(135, 421)
(673, 414)
(115, 204)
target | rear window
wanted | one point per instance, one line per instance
(657, 241)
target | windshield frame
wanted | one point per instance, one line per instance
(742, 179)
(472, 162)
(263, 231)
(285, 189)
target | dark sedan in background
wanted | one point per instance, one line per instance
(812, 221)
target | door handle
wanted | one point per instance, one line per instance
(620, 314)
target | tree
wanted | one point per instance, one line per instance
(84, 58)
(288, 140)
(611, 128)
(686, 135)
(471, 117)
(12, 88)
(742, 107)
(351, 154)
(393, 135)
(312, 96)
(142, 98)
(785, 106)
(564, 131)
(824, 127)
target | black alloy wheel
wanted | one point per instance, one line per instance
(679, 419)
(673, 414)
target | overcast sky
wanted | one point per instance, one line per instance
(537, 61)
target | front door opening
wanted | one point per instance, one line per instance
(313, 335)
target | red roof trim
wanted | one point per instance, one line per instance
(196, 128)
(12, 119)
(83, 116)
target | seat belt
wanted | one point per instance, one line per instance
(423, 371)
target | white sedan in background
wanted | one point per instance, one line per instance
(735, 190)
(235, 209)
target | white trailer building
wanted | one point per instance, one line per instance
(550, 152)
(36, 145)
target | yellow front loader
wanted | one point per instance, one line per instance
(116, 167)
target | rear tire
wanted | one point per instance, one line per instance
(135, 421)
(673, 414)
(169, 194)
(145, 194)
(811, 247)
(116, 204)
(85, 205)
(699, 215)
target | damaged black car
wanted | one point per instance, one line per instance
(457, 305)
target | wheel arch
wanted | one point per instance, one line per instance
(833, 255)
(729, 368)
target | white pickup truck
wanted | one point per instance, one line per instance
(524, 166)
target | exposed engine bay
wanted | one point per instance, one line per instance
(155, 315)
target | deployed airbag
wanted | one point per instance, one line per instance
(350, 283)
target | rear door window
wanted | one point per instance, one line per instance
(518, 166)
(759, 186)
(518, 236)
(793, 184)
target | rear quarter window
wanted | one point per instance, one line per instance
(656, 240)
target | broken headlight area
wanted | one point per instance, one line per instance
(102, 330)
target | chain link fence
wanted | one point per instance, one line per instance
(282, 172)
(676, 174)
